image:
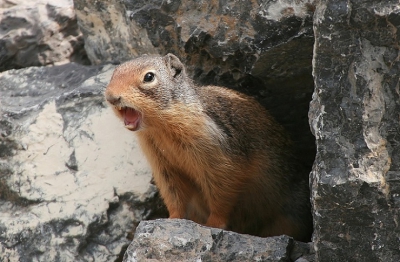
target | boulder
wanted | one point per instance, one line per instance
(39, 32)
(184, 240)
(73, 182)
(355, 117)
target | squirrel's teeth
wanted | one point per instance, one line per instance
(118, 108)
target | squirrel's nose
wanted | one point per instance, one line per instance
(113, 99)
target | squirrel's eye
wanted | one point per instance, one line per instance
(148, 77)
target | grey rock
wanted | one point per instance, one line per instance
(39, 32)
(73, 182)
(184, 240)
(354, 115)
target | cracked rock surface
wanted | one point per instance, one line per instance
(39, 32)
(73, 182)
(355, 116)
(184, 240)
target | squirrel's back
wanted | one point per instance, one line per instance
(218, 157)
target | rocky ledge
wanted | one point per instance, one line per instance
(184, 240)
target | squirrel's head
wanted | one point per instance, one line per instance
(140, 88)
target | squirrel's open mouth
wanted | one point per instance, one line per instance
(131, 117)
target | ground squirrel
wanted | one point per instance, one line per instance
(218, 157)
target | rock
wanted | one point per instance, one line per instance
(262, 48)
(238, 36)
(73, 182)
(184, 240)
(39, 32)
(354, 115)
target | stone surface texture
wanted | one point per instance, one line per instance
(184, 240)
(355, 116)
(39, 32)
(262, 48)
(73, 182)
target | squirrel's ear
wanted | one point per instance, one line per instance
(174, 64)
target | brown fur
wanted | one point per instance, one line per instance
(218, 157)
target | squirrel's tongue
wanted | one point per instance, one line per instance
(131, 119)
